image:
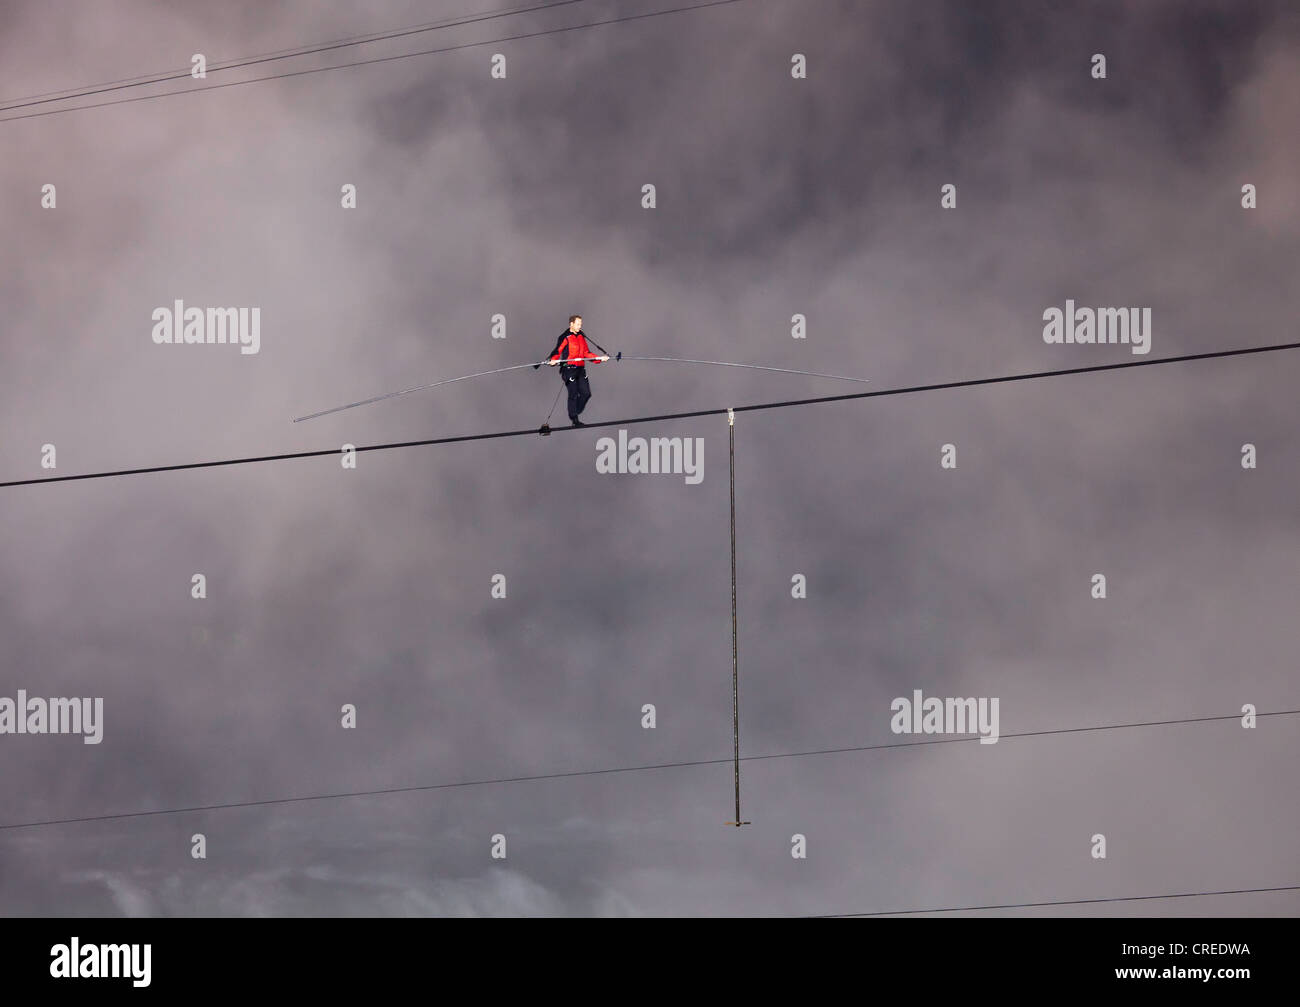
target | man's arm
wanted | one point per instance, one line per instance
(558, 343)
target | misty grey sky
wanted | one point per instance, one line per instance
(776, 196)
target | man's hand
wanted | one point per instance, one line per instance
(551, 363)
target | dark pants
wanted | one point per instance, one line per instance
(575, 379)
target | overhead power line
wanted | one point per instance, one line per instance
(626, 769)
(1060, 902)
(379, 59)
(143, 80)
(532, 432)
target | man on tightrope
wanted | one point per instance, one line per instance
(572, 354)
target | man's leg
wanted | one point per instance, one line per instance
(571, 383)
(584, 389)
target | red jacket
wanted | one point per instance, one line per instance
(573, 346)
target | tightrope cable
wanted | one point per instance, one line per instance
(532, 432)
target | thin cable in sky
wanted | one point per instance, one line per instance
(625, 769)
(532, 432)
(376, 60)
(539, 363)
(142, 80)
(1060, 902)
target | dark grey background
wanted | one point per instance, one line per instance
(776, 196)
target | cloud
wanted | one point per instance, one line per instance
(372, 587)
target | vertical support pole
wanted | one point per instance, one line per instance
(735, 662)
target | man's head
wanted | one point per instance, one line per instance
(575, 323)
